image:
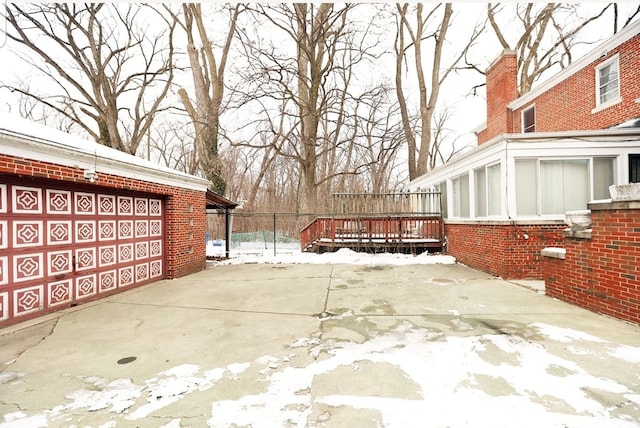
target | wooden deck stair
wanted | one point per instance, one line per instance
(398, 233)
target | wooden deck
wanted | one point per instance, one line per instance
(401, 234)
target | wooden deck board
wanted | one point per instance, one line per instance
(406, 233)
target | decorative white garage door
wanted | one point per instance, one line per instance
(60, 246)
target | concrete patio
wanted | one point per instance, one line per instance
(261, 345)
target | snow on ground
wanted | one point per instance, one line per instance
(449, 381)
(446, 374)
(257, 252)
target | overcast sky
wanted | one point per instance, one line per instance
(469, 111)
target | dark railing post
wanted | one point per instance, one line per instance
(227, 233)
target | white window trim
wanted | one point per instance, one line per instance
(535, 124)
(601, 106)
(452, 212)
(614, 157)
(486, 190)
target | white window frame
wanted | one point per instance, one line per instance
(457, 200)
(487, 194)
(602, 105)
(590, 178)
(531, 107)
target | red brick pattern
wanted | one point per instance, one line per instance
(601, 274)
(185, 209)
(509, 251)
(569, 104)
(502, 88)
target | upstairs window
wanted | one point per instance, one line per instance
(608, 82)
(529, 119)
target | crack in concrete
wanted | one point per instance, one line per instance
(241, 311)
(20, 353)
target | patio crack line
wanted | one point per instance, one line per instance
(242, 311)
(324, 314)
(47, 335)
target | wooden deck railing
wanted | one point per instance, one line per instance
(350, 231)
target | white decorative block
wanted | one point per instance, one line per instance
(625, 192)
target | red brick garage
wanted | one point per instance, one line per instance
(68, 235)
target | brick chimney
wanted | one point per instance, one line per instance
(502, 88)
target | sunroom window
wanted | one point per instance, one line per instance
(564, 185)
(555, 186)
(460, 187)
(488, 195)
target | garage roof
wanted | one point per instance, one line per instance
(215, 201)
(30, 140)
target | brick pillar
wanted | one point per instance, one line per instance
(502, 88)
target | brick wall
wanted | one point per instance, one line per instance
(575, 97)
(601, 274)
(511, 251)
(569, 104)
(184, 208)
(502, 88)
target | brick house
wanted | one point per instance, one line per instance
(539, 155)
(79, 221)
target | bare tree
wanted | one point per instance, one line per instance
(379, 129)
(626, 20)
(422, 26)
(445, 136)
(307, 87)
(207, 71)
(547, 34)
(108, 68)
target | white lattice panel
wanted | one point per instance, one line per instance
(107, 230)
(28, 300)
(126, 276)
(28, 267)
(4, 270)
(3, 198)
(107, 281)
(4, 234)
(107, 256)
(85, 203)
(58, 202)
(60, 292)
(26, 200)
(5, 312)
(60, 262)
(106, 204)
(125, 205)
(59, 232)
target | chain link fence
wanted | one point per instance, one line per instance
(256, 233)
(273, 233)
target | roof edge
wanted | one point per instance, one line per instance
(51, 145)
(601, 50)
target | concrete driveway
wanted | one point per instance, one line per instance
(323, 346)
